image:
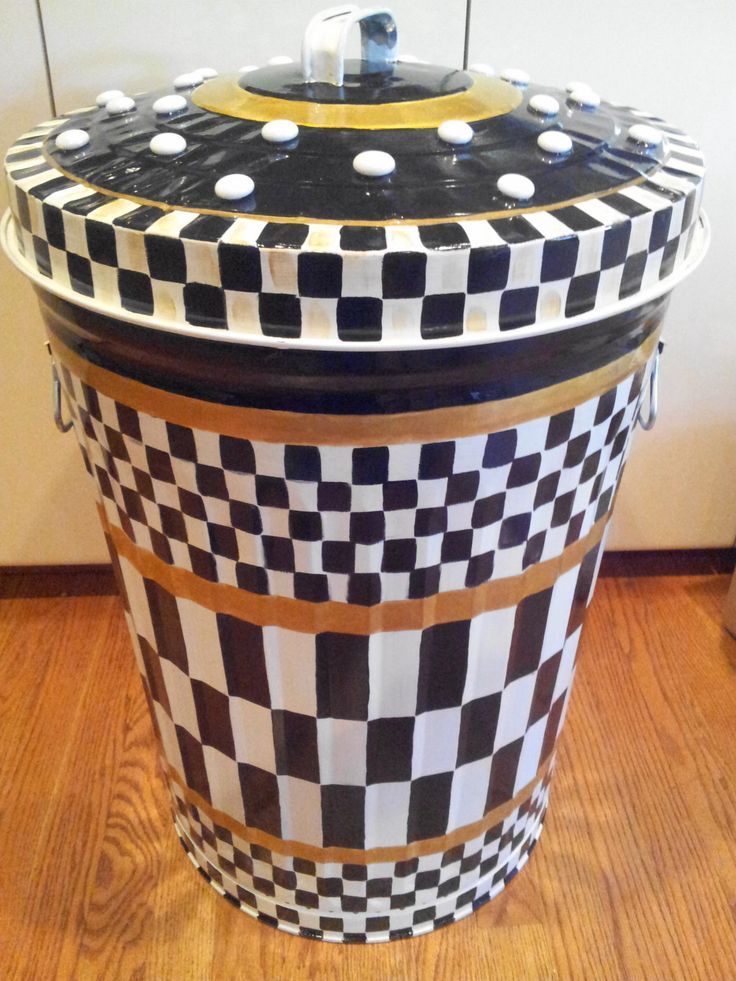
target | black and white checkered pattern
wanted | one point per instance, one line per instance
(322, 283)
(352, 524)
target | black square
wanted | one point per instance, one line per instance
(135, 290)
(582, 294)
(428, 879)
(456, 546)
(488, 268)
(305, 526)
(606, 404)
(246, 517)
(390, 748)
(133, 505)
(559, 428)
(362, 238)
(272, 492)
(302, 463)
(615, 245)
(172, 523)
(544, 688)
(669, 253)
(278, 553)
(311, 586)
(213, 717)
(632, 275)
(660, 229)
(546, 489)
(243, 659)
(191, 504)
(449, 235)
(429, 807)
(443, 315)
(80, 274)
(462, 487)
(518, 308)
(364, 588)
(478, 721)
(211, 481)
(576, 450)
(424, 582)
(367, 527)
(480, 569)
(514, 530)
(334, 496)
(504, 768)
(43, 257)
(500, 449)
(530, 624)
(295, 743)
(251, 578)
(223, 540)
(338, 557)
(590, 467)
(319, 274)
(443, 660)
(53, 221)
(343, 816)
(562, 511)
(204, 306)
(399, 495)
(280, 314)
(342, 676)
(260, 791)
(488, 510)
(159, 465)
(436, 460)
(403, 274)
(181, 442)
(525, 470)
(399, 555)
(614, 426)
(166, 258)
(237, 454)
(370, 465)
(359, 318)
(144, 485)
(430, 521)
(167, 630)
(192, 757)
(534, 549)
(329, 887)
(559, 258)
(101, 242)
(240, 267)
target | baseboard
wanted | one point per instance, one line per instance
(27, 581)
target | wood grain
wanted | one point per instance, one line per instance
(634, 877)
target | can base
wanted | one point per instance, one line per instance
(379, 923)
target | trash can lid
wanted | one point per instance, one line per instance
(380, 202)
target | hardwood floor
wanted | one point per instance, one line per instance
(634, 876)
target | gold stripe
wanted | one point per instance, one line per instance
(485, 98)
(316, 220)
(304, 428)
(348, 618)
(360, 856)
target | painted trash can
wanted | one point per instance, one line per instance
(354, 351)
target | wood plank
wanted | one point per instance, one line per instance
(634, 877)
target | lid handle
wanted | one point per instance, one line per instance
(323, 47)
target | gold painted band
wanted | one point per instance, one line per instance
(348, 618)
(486, 97)
(360, 856)
(303, 428)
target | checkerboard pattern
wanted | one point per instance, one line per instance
(324, 283)
(361, 903)
(354, 524)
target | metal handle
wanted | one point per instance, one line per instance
(651, 417)
(61, 424)
(323, 47)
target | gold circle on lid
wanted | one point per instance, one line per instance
(486, 97)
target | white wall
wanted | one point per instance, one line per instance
(669, 57)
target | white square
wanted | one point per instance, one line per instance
(403, 461)
(337, 463)
(241, 311)
(280, 583)
(469, 454)
(526, 264)
(319, 318)
(429, 551)
(469, 793)
(400, 524)
(153, 432)
(169, 741)
(301, 810)
(269, 458)
(240, 486)
(291, 670)
(275, 521)
(402, 320)
(307, 556)
(567, 665)
(199, 627)
(168, 300)
(202, 262)
(336, 526)
(386, 814)
(131, 251)
(432, 493)
(488, 652)
(531, 749)
(513, 717)
(181, 700)
(224, 783)
(197, 534)
(252, 734)
(531, 437)
(166, 494)
(435, 742)
(367, 497)
(362, 274)
(75, 233)
(452, 576)
(590, 251)
(368, 557)
(393, 670)
(559, 613)
(342, 747)
(460, 516)
(279, 271)
(137, 600)
(208, 448)
(217, 511)
(447, 271)
(508, 561)
(302, 495)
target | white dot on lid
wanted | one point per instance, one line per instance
(188, 80)
(455, 131)
(118, 107)
(586, 98)
(553, 141)
(233, 187)
(280, 131)
(481, 68)
(374, 163)
(649, 135)
(168, 104)
(516, 76)
(247, 68)
(72, 139)
(280, 60)
(167, 144)
(515, 186)
(104, 97)
(206, 72)
(545, 105)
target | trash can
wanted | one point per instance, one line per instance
(354, 351)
